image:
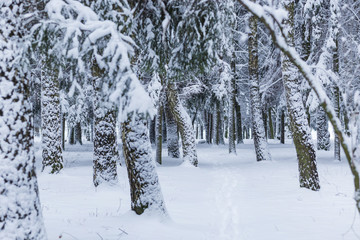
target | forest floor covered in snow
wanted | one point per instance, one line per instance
(226, 197)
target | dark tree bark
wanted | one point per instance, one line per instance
(72, 136)
(63, 132)
(239, 132)
(78, 133)
(282, 132)
(159, 134)
(172, 134)
(218, 129)
(271, 126)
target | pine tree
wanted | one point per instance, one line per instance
(20, 210)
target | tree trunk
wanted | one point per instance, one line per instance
(63, 132)
(337, 154)
(217, 124)
(72, 136)
(265, 123)
(184, 125)
(172, 134)
(105, 149)
(271, 126)
(51, 123)
(20, 211)
(297, 115)
(207, 127)
(164, 127)
(159, 134)
(232, 105)
(258, 130)
(153, 131)
(78, 133)
(201, 132)
(323, 135)
(144, 184)
(239, 124)
(282, 136)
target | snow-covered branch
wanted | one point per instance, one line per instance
(87, 40)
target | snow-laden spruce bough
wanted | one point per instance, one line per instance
(75, 34)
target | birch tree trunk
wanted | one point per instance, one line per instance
(20, 210)
(258, 129)
(51, 122)
(184, 125)
(145, 188)
(297, 115)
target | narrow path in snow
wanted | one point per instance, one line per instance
(227, 210)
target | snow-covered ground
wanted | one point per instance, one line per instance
(226, 197)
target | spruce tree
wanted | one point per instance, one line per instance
(20, 210)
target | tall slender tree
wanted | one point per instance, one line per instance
(258, 129)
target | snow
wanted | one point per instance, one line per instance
(226, 197)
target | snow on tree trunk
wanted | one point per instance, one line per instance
(232, 136)
(323, 135)
(172, 134)
(183, 121)
(337, 155)
(51, 123)
(159, 134)
(105, 151)
(258, 129)
(334, 10)
(20, 210)
(218, 128)
(145, 188)
(297, 115)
